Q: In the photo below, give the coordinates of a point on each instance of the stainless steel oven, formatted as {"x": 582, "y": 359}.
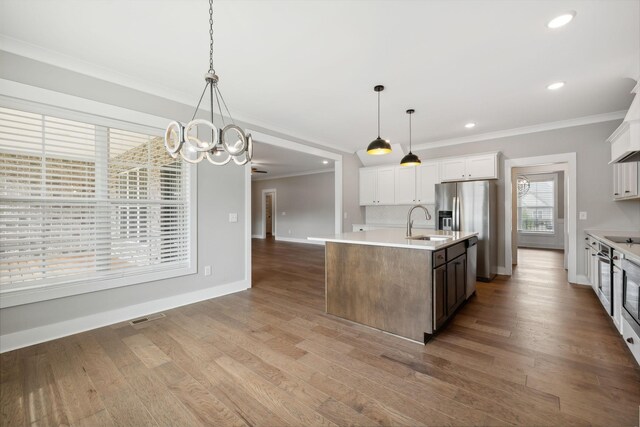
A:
{"x": 631, "y": 294}
{"x": 604, "y": 279}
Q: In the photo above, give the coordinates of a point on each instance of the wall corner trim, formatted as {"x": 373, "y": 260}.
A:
{"x": 16, "y": 340}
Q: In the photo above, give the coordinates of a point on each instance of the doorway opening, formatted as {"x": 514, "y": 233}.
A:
{"x": 540, "y": 210}
{"x": 268, "y": 209}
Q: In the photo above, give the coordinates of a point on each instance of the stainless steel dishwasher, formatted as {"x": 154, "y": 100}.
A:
{"x": 472, "y": 265}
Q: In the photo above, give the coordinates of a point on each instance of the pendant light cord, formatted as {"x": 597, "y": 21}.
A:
{"x": 211, "y": 70}
{"x": 378, "y": 114}
{"x": 409, "y": 133}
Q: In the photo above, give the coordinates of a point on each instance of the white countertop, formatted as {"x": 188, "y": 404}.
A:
{"x": 396, "y": 225}
{"x": 631, "y": 252}
{"x": 395, "y": 238}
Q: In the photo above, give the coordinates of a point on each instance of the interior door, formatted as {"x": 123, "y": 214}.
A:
{"x": 268, "y": 214}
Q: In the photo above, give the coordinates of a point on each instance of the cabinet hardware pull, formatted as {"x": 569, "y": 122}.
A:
{"x": 615, "y": 257}
{"x": 627, "y": 191}
{"x": 616, "y": 194}
{"x": 630, "y": 340}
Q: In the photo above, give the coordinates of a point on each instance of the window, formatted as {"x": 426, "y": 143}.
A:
{"x": 536, "y": 207}
{"x": 86, "y": 203}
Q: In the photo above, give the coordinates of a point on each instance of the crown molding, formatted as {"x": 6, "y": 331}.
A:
{"x": 579, "y": 121}
{"x": 67, "y": 62}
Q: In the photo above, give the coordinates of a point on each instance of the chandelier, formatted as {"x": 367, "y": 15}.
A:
{"x": 225, "y": 143}
{"x": 523, "y": 185}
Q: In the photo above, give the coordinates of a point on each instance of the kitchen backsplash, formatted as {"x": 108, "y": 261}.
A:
{"x": 394, "y": 215}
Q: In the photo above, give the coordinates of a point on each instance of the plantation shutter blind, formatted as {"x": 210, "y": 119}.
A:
{"x": 82, "y": 202}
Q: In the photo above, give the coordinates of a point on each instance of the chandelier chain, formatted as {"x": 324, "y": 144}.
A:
{"x": 211, "y": 37}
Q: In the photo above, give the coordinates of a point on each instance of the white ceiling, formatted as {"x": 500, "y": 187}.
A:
{"x": 279, "y": 162}
{"x": 308, "y": 67}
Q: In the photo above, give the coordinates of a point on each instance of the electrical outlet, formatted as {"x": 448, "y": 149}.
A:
{"x": 207, "y": 270}
{"x": 283, "y": 213}
{"x": 583, "y": 215}
{"x": 233, "y": 217}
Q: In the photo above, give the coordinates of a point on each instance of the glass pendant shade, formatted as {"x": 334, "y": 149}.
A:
{"x": 379, "y": 146}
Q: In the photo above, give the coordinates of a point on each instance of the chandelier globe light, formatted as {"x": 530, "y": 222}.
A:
{"x": 225, "y": 143}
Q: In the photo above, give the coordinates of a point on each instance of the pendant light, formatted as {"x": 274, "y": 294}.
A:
{"x": 379, "y": 146}
{"x": 410, "y": 159}
{"x": 226, "y": 142}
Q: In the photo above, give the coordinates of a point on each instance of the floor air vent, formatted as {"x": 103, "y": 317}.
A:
{"x": 145, "y": 319}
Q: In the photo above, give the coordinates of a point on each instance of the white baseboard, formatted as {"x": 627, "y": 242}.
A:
{"x": 257, "y": 236}
{"x": 298, "y": 240}
{"x": 40, "y": 334}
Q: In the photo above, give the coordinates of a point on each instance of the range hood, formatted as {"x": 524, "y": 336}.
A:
{"x": 625, "y": 140}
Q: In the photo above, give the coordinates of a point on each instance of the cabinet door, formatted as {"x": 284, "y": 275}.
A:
{"x": 368, "y": 184}
{"x": 439, "y": 295}
{"x": 481, "y": 167}
{"x": 630, "y": 176}
{"x": 386, "y": 186}
{"x": 461, "y": 278}
{"x": 405, "y": 185}
{"x": 452, "y": 170}
{"x": 452, "y": 298}
{"x": 427, "y": 178}
{"x": 618, "y": 180}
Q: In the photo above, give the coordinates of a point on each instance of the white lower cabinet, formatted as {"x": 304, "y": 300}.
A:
{"x": 631, "y": 339}
{"x": 617, "y": 290}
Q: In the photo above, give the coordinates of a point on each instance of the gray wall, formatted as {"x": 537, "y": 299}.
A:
{"x": 351, "y": 192}
{"x": 307, "y": 200}
{"x": 220, "y": 244}
{"x": 594, "y": 175}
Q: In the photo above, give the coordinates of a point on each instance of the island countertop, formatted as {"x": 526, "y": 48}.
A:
{"x": 396, "y": 238}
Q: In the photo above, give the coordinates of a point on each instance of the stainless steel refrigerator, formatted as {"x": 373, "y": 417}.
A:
{"x": 471, "y": 206}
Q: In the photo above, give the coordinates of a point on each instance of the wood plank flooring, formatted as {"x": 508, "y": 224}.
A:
{"x": 528, "y": 350}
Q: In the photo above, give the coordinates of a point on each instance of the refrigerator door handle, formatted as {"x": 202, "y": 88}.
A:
{"x": 455, "y": 214}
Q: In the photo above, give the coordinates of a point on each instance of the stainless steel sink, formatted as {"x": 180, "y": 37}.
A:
{"x": 431, "y": 238}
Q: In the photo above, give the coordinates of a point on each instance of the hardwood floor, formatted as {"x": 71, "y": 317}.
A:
{"x": 529, "y": 350}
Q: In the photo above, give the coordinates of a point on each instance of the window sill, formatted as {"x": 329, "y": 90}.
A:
{"x": 536, "y": 233}
{"x": 28, "y": 295}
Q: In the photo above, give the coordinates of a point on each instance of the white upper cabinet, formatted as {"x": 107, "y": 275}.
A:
{"x": 368, "y": 184}
{"x": 377, "y": 186}
{"x": 427, "y": 178}
{"x": 471, "y": 168}
{"x": 386, "y": 185}
{"x": 405, "y": 185}
{"x": 453, "y": 170}
{"x": 625, "y": 181}
{"x": 408, "y": 185}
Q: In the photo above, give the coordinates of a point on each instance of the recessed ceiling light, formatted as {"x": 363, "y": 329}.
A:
{"x": 562, "y": 20}
{"x": 470, "y": 125}
{"x": 555, "y": 86}
{"x": 325, "y": 162}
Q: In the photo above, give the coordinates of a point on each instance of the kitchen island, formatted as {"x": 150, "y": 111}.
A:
{"x": 405, "y": 286}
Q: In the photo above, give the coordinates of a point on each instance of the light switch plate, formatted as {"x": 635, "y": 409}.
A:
{"x": 207, "y": 270}
{"x": 283, "y": 213}
{"x": 233, "y": 217}
{"x": 583, "y": 215}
